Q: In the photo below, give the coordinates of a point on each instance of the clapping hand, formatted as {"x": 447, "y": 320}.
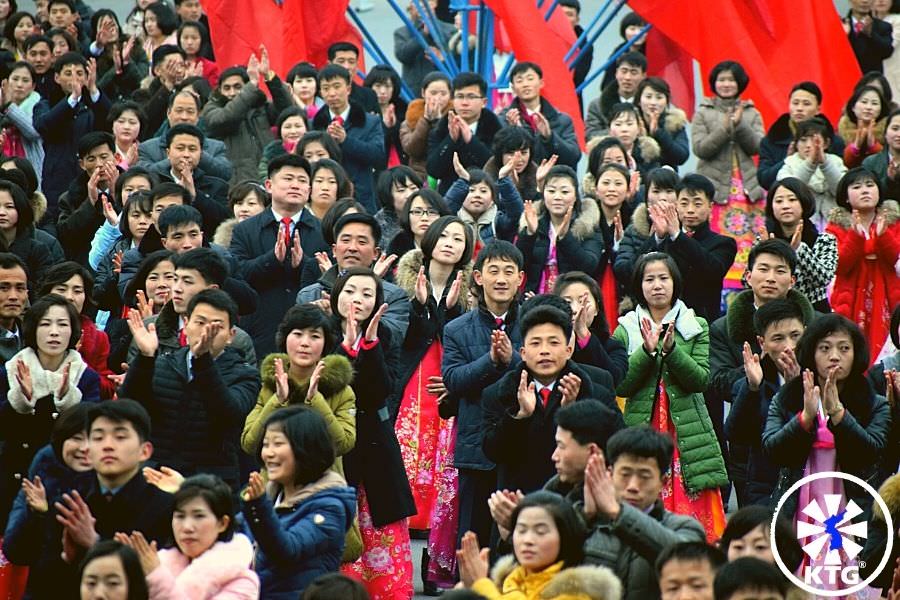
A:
{"x": 74, "y": 514}
{"x": 501, "y": 348}
{"x": 544, "y": 169}
{"x": 372, "y": 329}
{"x": 282, "y": 383}
{"x": 453, "y": 293}
{"x": 35, "y": 495}
{"x": 525, "y": 396}
{"x": 421, "y": 286}
{"x": 531, "y": 218}
{"x": 502, "y": 504}
{"x": 811, "y": 398}
{"x": 166, "y": 479}
{"x": 473, "y": 563}
{"x": 650, "y": 333}
{"x": 255, "y": 489}
{"x": 23, "y": 378}
{"x": 145, "y": 550}
{"x": 203, "y": 344}
{"x": 314, "y": 381}
{"x": 599, "y": 487}
{"x": 752, "y": 368}
{"x": 144, "y": 335}
{"x": 569, "y": 385}
{"x": 383, "y": 265}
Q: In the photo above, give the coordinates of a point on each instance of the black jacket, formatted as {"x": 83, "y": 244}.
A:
{"x": 773, "y": 149}
{"x": 78, "y": 219}
{"x": 211, "y": 199}
{"x": 872, "y": 48}
{"x": 197, "y": 421}
{"x": 472, "y": 155}
{"x": 375, "y": 462}
{"x": 522, "y": 448}
{"x": 703, "y": 260}
{"x": 137, "y": 506}
{"x": 34, "y": 253}
{"x": 253, "y": 246}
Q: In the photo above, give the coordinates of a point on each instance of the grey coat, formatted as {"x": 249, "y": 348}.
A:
{"x": 213, "y": 159}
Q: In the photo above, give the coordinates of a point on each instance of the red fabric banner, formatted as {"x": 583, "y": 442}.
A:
{"x": 667, "y": 60}
{"x": 778, "y": 43}
{"x": 543, "y": 43}
{"x": 292, "y": 31}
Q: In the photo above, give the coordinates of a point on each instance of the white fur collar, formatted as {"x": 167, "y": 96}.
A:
{"x": 685, "y": 319}
{"x": 43, "y": 382}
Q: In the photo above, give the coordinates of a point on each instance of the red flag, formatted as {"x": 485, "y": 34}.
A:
{"x": 536, "y": 41}
{"x": 778, "y": 43}
{"x": 667, "y": 60}
{"x": 292, "y": 31}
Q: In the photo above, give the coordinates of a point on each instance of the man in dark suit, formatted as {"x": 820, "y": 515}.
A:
{"x": 872, "y": 39}
{"x": 703, "y": 256}
{"x": 270, "y": 247}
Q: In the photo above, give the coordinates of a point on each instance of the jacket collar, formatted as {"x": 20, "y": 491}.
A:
{"x": 356, "y": 118}
{"x": 328, "y": 481}
{"x": 739, "y": 318}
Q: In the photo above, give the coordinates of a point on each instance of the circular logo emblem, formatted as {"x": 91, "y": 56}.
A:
{"x": 833, "y": 540}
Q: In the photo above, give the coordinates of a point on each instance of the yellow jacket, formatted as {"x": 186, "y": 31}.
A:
{"x": 512, "y": 582}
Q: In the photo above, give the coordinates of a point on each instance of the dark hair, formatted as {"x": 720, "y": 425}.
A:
{"x": 21, "y": 203}
{"x": 287, "y": 113}
{"x": 545, "y": 300}
{"x": 37, "y": 311}
{"x": 823, "y": 326}
{"x": 509, "y": 140}
{"x": 212, "y": 490}
{"x": 71, "y": 43}
{"x": 132, "y": 173}
{"x": 747, "y": 574}
{"x": 813, "y": 125}
{"x": 302, "y": 70}
{"x": 657, "y": 84}
{"x": 99, "y": 14}
{"x": 64, "y": 271}
{"x": 736, "y": 70}
{"x": 546, "y": 315}
{"x": 323, "y": 139}
{"x": 160, "y": 54}
{"x": 358, "y": 217}
{"x": 342, "y": 46}
{"x": 217, "y": 299}
{"x": 184, "y": 129}
{"x": 599, "y": 326}
{"x": 477, "y": 176}
{"x": 691, "y": 552}
{"x": 95, "y": 139}
{"x": 570, "y": 527}
{"x": 8, "y": 261}
{"x": 431, "y": 198}
{"x": 68, "y": 3}
{"x": 749, "y": 518}
{"x": 776, "y": 311}
{"x": 571, "y": 4}
{"x": 123, "y": 410}
{"x": 184, "y": 92}
{"x": 695, "y": 182}
{"x": 12, "y": 22}
{"x": 69, "y": 58}
{"x": 630, "y": 20}
{"x": 627, "y": 108}
{"x": 287, "y": 160}
{"x": 878, "y": 80}
{"x": 70, "y": 423}
{"x": 809, "y": 87}
{"x": 335, "y": 586}
{"x": 857, "y": 93}
{"x": 775, "y": 247}
{"x": 120, "y": 108}
{"x": 565, "y": 172}
{"x": 33, "y": 40}
{"x": 468, "y": 79}
{"x": 131, "y": 564}
{"x": 895, "y": 324}
{"x": 207, "y": 262}
{"x": 436, "y": 76}
{"x": 23, "y": 166}
{"x": 637, "y": 279}
{"x": 166, "y": 19}
{"x": 331, "y": 71}
{"x": 196, "y": 85}
{"x": 241, "y": 189}
{"x": 595, "y": 158}
{"x": 894, "y": 113}
{"x": 305, "y": 316}
{"x": 307, "y": 433}
{"x": 176, "y": 215}
{"x": 499, "y": 250}
{"x": 205, "y": 41}
{"x": 334, "y": 214}
{"x": 633, "y": 58}
{"x": 344, "y": 183}
{"x": 384, "y": 74}
{"x": 841, "y": 196}
{"x": 233, "y": 71}
{"x": 807, "y": 206}
{"x": 150, "y": 262}
{"x": 342, "y": 280}
{"x": 624, "y": 172}
{"x": 433, "y": 235}
{"x": 23, "y": 65}
{"x": 384, "y": 189}
{"x": 641, "y": 442}
{"x": 141, "y": 200}
{"x": 664, "y": 178}
{"x": 524, "y": 66}
{"x": 589, "y": 421}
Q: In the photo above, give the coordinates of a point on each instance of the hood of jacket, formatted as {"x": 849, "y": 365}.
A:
{"x": 337, "y": 374}
{"x": 890, "y": 493}
{"x": 587, "y": 582}
{"x": 224, "y": 231}
{"x": 508, "y": 575}
{"x": 207, "y": 574}
{"x": 584, "y": 224}
{"x": 330, "y": 482}
{"x": 38, "y": 203}
{"x": 739, "y": 317}
{"x": 685, "y": 319}
{"x": 408, "y": 272}
{"x": 843, "y": 218}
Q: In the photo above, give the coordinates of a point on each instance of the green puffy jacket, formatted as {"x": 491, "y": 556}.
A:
{"x": 685, "y": 372}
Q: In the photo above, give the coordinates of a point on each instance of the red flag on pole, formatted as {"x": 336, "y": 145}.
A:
{"x": 667, "y": 60}
{"x": 536, "y": 41}
{"x": 778, "y": 43}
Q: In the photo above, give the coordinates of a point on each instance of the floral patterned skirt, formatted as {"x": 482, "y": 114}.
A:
{"x": 445, "y": 518}
{"x": 385, "y": 567}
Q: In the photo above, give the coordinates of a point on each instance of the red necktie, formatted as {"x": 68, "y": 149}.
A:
{"x": 339, "y": 120}
{"x": 689, "y": 233}
{"x": 499, "y": 322}
{"x": 545, "y": 396}
{"x": 858, "y": 27}
{"x": 182, "y": 338}
{"x": 287, "y": 222}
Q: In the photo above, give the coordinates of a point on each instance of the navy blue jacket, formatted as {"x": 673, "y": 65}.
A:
{"x": 468, "y": 371}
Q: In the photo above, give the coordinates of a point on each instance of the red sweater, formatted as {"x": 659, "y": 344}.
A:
{"x": 95, "y": 352}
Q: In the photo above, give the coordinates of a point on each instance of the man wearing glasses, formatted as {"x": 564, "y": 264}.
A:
{"x": 468, "y": 130}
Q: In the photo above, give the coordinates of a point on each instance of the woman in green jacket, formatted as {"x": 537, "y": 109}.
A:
{"x": 668, "y": 370}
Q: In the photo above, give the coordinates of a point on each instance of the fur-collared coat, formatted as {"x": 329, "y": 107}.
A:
{"x": 854, "y": 155}
{"x": 426, "y": 321}
{"x": 672, "y": 138}
{"x": 414, "y": 136}
{"x": 645, "y": 156}
{"x": 224, "y": 232}
{"x": 865, "y": 262}
{"x": 579, "y": 250}
{"x": 510, "y": 580}
{"x": 714, "y": 144}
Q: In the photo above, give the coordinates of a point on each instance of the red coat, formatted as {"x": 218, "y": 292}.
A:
{"x": 866, "y": 286}
{"x": 95, "y": 352}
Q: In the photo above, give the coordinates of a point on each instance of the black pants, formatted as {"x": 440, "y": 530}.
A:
{"x": 475, "y": 487}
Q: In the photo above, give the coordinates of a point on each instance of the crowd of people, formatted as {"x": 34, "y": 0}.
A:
{"x": 258, "y": 334}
